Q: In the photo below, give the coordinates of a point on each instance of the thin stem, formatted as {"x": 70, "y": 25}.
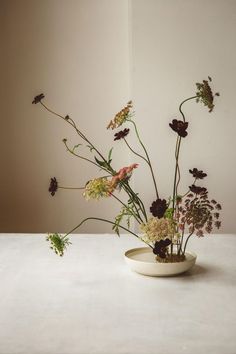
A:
{"x": 181, "y": 104}
{"x": 185, "y": 245}
{"x": 72, "y": 123}
{"x": 109, "y": 222}
{"x": 146, "y": 153}
{"x": 134, "y": 152}
{"x": 177, "y": 150}
{"x": 135, "y": 216}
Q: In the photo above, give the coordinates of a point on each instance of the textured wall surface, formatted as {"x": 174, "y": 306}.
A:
{"x": 89, "y": 58}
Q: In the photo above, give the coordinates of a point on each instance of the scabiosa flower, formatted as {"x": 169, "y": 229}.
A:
{"x": 58, "y": 242}
{"x": 121, "y": 116}
{"x": 205, "y": 95}
{"x": 98, "y": 188}
{"x": 197, "y": 189}
{"x": 121, "y": 134}
{"x": 158, "y": 208}
{"x": 179, "y": 127}
{"x": 53, "y": 187}
{"x": 157, "y": 229}
{"x": 198, "y": 174}
{"x": 160, "y": 248}
{"x": 38, "y": 98}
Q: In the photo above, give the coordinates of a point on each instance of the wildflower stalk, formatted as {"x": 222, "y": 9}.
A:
{"x": 107, "y": 221}
{"x": 109, "y": 169}
{"x": 177, "y": 151}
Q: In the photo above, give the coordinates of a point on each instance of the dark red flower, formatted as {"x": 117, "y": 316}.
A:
{"x": 197, "y": 189}
{"x": 122, "y": 134}
{"x": 160, "y": 247}
{"x": 179, "y": 127}
{"x": 38, "y": 98}
{"x": 198, "y": 174}
{"x": 158, "y": 208}
{"x": 53, "y": 186}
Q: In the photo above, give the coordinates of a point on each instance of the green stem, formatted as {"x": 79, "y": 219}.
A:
{"x": 177, "y": 150}
{"x": 134, "y": 152}
{"x": 146, "y": 153}
{"x": 109, "y": 222}
{"x": 185, "y": 245}
{"x": 137, "y": 218}
{"x": 72, "y": 123}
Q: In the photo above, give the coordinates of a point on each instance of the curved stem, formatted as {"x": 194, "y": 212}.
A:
{"x": 146, "y": 153}
{"x": 185, "y": 245}
{"x": 181, "y": 104}
{"x": 177, "y": 150}
{"x": 134, "y": 152}
{"x": 72, "y": 123}
{"x": 109, "y": 222}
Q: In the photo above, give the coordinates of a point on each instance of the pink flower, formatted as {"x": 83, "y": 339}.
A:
{"x": 123, "y": 173}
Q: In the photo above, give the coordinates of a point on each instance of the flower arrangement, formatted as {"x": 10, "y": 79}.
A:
{"x": 168, "y": 224}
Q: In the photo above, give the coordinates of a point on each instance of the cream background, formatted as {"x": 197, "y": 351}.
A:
{"x": 89, "y": 58}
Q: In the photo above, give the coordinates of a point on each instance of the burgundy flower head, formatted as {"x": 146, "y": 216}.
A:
{"x": 179, "y": 127}
{"x": 158, "y": 208}
{"x": 160, "y": 247}
{"x": 197, "y": 189}
{"x": 53, "y": 186}
{"x": 121, "y": 134}
{"x": 198, "y": 174}
{"x": 38, "y": 98}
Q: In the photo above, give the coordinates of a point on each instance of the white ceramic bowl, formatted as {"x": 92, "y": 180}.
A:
{"x": 142, "y": 260}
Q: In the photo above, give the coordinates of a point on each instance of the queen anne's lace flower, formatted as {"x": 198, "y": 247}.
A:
{"x": 98, "y": 188}
{"x": 120, "y": 117}
{"x": 157, "y": 229}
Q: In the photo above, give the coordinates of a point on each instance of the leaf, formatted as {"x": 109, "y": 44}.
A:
{"x": 102, "y": 163}
{"x": 91, "y": 148}
{"x": 76, "y": 147}
{"x": 109, "y": 155}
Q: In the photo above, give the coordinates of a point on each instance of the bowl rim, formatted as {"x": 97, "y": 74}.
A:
{"x": 148, "y": 249}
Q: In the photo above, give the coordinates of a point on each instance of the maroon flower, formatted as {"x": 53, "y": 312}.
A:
{"x": 38, "y": 98}
{"x": 198, "y": 174}
{"x": 158, "y": 208}
{"x": 197, "y": 189}
{"x": 121, "y": 134}
{"x": 179, "y": 127}
{"x": 160, "y": 247}
{"x": 53, "y": 186}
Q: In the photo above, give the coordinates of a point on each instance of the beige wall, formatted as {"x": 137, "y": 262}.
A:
{"x": 89, "y": 57}
{"x": 175, "y": 44}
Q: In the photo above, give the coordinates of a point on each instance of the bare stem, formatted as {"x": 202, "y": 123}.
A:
{"x": 147, "y": 156}
{"x": 109, "y": 222}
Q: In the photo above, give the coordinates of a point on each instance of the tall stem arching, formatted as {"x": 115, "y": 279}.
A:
{"x": 177, "y": 151}
{"x": 109, "y": 222}
{"x": 147, "y": 156}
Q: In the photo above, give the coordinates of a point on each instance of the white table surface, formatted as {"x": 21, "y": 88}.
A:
{"x": 90, "y": 302}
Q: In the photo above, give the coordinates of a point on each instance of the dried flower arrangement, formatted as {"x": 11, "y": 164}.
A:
{"x": 173, "y": 221}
